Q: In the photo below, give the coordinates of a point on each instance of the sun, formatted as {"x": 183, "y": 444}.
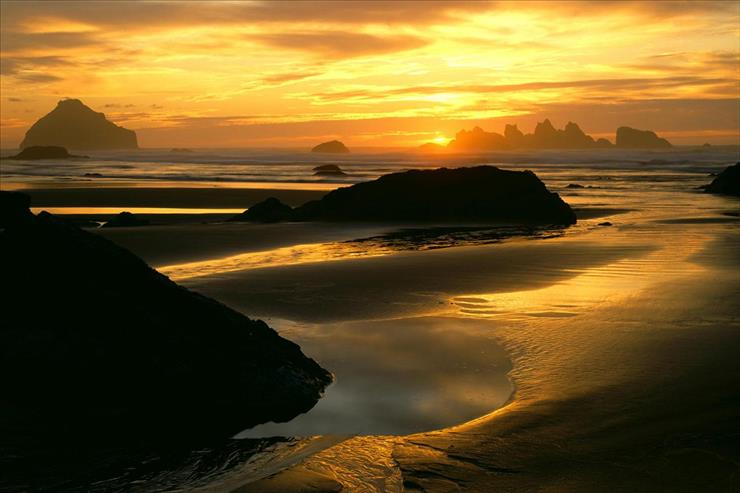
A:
{"x": 440, "y": 140}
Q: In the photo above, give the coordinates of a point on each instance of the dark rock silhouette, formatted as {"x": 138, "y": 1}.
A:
{"x": 180, "y": 149}
{"x": 605, "y": 223}
{"x": 574, "y": 185}
{"x": 125, "y": 220}
{"x": 545, "y": 136}
{"x": 482, "y": 193}
{"x": 706, "y": 144}
{"x": 478, "y": 140}
{"x": 727, "y": 182}
{"x": 329, "y": 170}
{"x": 75, "y": 126}
{"x": 45, "y": 152}
{"x": 14, "y": 209}
{"x": 332, "y": 147}
{"x": 631, "y": 138}
{"x": 268, "y": 211}
{"x": 431, "y": 147}
{"x": 94, "y": 341}
{"x": 93, "y": 175}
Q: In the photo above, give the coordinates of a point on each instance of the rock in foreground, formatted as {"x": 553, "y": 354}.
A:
{"x": 44, "y": 152}
{"x": 75, "y": 126}
{"x": 91, "y": 338}
{"x": 333, "y": 147}
{"x": 727, "y": 182}
{"x": 631, "y": 138}
{"x": 482, "y": 193}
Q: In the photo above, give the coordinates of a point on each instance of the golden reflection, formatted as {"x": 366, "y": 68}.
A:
{"x": 595, "y": 286}
{"x": 279, "y": 257}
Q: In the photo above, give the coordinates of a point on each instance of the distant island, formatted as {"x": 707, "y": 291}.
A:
{"x": 331, "y": 147}
{"x": 75, "y": 126}
{"x": 44, "y": 152}
{"x": 546, "y": 136}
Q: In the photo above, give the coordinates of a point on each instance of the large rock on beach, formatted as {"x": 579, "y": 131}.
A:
{"x": 727, "y": 182}
{"x": 478, "y": 194}
{"x": 94, "y": 340}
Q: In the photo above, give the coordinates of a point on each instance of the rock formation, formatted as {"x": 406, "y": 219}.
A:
{"x": 329, "y": 170}
{"x": 631, "y": 138}
{"x": 75, "y": 126}
{"x": 95, "y": 341}
{"x": 545, "y": 136}
{"x": 44, "y": 152}
{"x": 431, "y": 147}
{"x": 125, "y": 220}
{"x": 332, "y": 147}
{"x": 727, "y": 182}
{"x": 268, "y": 211}
{"x": 482, "y": 193}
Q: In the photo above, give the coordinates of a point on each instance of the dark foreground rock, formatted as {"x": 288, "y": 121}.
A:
{"x": 482, "y": 193}
{"x": 727, "y": 182}
{"x": 45, "y": 152}
{"x": 268, "y": 211}
{"x": 333, "y": 147}
{"x": 125, "y": 220}
{"x": 75, "y": 126}
{"x": 631, "y": 138}
{"x": 95, "y": 341}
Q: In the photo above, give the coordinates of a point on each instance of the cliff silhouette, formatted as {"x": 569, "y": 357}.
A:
{"x": 75, "y": 126}
{"x": 546, "y": 136}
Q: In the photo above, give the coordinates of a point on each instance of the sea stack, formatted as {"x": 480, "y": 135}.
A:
{"x": 331, "y": 147}
{"x": 631, "y": 138}
{"x": 75, "y": 126}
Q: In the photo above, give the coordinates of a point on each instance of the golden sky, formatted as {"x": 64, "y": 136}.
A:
{"x": 244, "y": 74}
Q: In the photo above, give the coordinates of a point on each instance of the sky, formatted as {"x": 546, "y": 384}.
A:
{"x": 274, "y": 74}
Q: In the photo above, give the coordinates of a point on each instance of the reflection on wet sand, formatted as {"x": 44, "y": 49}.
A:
{"x": 398, "y": 376}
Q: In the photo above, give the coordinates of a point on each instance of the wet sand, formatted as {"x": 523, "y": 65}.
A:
{"x": 591, "y": 359}
{"x": 619, "y": 344}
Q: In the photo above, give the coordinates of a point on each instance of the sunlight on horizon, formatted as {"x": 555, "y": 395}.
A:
{"x": 237, "y": 74}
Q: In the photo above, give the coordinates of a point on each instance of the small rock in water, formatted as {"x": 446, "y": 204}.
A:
{"x": 605, "y": 223}
{"x": 125, "y": 219}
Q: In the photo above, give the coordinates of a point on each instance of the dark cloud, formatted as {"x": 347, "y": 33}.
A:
{"x": 37, "y": 77}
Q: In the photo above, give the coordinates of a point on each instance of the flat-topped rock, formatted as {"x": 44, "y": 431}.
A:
{"x": 727, "y": 182}
{"x": 95, "y": 341}
{"x": 331, "y": 147}
{"x": 328, "y": 170}
{"x": 45, "y": 152}
{"x": 75, "y": 126}
{"x": 631, "y": 138}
